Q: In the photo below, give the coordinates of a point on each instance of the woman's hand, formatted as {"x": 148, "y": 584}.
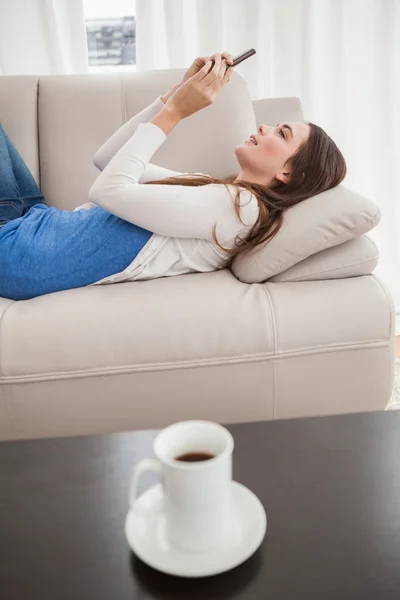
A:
{"x": 200, "y": 61}
{"x": 201, "y": 89}
{"x": 194, "y": 68}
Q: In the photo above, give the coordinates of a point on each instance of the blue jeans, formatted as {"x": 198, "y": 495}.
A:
{"x": 18, "y": 188}
{"x": 44, "y": 249}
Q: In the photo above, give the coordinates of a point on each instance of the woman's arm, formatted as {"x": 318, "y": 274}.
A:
{"x": 109, "y": 149}
{"x": 126, "y": 131}
{"x": 169, "y": 210}
{"x": 166, "y": 119}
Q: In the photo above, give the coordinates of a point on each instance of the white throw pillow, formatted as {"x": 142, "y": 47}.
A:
{"x": 322, "y": 221}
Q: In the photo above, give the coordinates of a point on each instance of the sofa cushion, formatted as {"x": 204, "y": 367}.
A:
{"x": 320, "y": 222}
{"x": 351, "y": 259}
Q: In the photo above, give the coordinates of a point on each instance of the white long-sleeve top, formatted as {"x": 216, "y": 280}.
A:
{"x": 180, "y": 217}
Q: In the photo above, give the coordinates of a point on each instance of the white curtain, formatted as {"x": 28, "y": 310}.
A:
{"x": 340, "y": 57}
{"x": 42, "y": 37}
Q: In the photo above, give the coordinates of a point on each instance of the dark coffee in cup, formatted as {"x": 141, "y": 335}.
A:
{"x": 195, "y": 456}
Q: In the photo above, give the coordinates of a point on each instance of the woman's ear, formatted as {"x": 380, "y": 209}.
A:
{"x": 283, "y": 177}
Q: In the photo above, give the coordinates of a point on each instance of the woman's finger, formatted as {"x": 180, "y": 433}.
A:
{"x": 214, "y": 71}
{"x": 225, "y": 54}
{"x": 203, "y": 71}
{"x": 217, "y": 65}
{"x": 223, "y": 69}
{"x": 229, "y": 57}
{"x": 217, "y": 57}
{"x": 222, "y": 79}
{"x": 214, "y": 56}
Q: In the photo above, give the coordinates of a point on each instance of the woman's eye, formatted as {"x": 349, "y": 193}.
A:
{"x": 282, "y": 134}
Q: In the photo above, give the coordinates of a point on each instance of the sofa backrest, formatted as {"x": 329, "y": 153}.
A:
{"x": 58, "y": 122}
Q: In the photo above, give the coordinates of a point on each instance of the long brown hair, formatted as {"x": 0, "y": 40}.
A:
{"x": 318, "y": 165}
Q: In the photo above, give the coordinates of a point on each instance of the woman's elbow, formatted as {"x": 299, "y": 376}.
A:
{"x": 96, "y": 196}
{"x": 98, "y": 163}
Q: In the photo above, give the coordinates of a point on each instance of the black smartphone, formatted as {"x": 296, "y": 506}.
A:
{"x": 241, "y": 57}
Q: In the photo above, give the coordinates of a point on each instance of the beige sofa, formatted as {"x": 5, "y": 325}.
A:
{"x": 302, "y": 328}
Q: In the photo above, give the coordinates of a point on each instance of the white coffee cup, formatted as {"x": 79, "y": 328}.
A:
{"x": 197, "y": 495}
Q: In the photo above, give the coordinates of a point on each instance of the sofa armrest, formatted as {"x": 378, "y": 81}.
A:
{"x": 276, "y": 110}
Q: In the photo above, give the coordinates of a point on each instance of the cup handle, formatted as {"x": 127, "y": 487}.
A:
{"x": 148, "y": 464}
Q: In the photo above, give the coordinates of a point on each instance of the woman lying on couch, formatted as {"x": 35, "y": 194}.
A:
{"x": 168, "y": 225}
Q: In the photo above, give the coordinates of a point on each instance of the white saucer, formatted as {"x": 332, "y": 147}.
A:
{"x": 146, "y": 537}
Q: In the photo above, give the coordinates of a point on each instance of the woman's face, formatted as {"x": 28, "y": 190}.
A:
{"x": 264, "y": 162}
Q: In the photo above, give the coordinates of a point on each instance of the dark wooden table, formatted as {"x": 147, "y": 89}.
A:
{"x": 330, "y": 486}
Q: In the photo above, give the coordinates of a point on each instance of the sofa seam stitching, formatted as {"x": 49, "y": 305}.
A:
{"x": 275, "y": 336}
{"x": 12, "y": 302}
{"x": 280, "y": 356}
{"x": 388, "y": 301}
{"x": 6, "y": 398}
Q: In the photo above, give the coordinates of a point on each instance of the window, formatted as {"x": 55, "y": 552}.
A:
{"x": 111, "y": 35}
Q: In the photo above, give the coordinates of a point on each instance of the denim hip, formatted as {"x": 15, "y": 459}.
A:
{"x": 48, "y": 250}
